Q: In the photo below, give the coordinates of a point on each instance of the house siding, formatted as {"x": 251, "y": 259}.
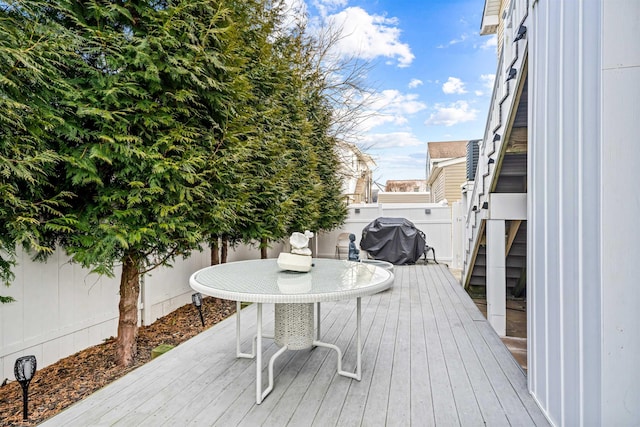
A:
{"x": 438, "y": 188}
{"x": 404, "y": 197}
{"x": 447, "y": 183}
{"x": 500, "y": 32}
{"x": 584, "y": 69}
{"x": 455, "y": 176}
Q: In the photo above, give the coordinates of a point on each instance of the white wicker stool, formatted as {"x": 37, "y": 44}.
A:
{"x": 294, "y": 325}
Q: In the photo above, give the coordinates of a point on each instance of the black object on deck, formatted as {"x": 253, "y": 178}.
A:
{"x": 395, "y": 240}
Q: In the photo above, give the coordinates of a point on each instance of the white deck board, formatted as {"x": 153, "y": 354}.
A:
{"x": 429, "y": 358}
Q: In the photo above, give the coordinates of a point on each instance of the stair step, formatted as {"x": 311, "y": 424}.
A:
{"x": 511, "y": 272}
{"x": 477, "y": 281}
{"x": 514, "y": 272}
{"x": 518, "y": 250}
{"x": 516, "y": 261}
{"x": 479, "y": 271}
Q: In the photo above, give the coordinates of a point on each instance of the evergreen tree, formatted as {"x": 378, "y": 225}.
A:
{"x": 31, "y": 51}
{"x": 146, "y": 99}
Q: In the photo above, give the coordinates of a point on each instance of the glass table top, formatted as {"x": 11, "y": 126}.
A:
{"x": 264, "y": 281}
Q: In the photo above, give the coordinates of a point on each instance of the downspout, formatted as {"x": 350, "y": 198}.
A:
{"x": 142, "y": 304}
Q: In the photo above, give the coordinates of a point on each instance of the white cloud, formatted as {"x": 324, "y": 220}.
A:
{"x": 490, "y": 43}
{"x": 460, "y": 39}
{"x": 391, "y": 106}
{"x": 402, "y": 166}
{"x": 478, "y": 92}
{"x": 449, "y": 115}
{"x": 390, "y": 140}
{"x": 326, "y": 6}
{"x": 294, "y": 14}
{"x": 453, "y": 85}
{"x": 369, "y": 36}
{"x": 393, "y": 101}
{"x": 488, "y": 80}
{"x": 415, "y": 83}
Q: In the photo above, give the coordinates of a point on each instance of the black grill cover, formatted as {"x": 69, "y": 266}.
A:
{"x": 395, "y": 240}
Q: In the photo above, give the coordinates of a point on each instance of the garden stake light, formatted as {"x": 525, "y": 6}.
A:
{"x": 24, "y": 370}
{"x": 197, "y": 301}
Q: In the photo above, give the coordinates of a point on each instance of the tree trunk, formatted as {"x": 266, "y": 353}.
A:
{"x": 128, "y": 307}
{"x": 264, "y": 245}
{"x": 215, "y": 251}
{"x": 224, "y": 249}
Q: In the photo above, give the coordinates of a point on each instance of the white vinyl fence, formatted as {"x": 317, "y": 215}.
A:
{"x": 432, "y": 218}
{"x": 61, "y": 309}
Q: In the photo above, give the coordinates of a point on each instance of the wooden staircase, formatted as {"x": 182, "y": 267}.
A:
{"x": 516, "y": 264}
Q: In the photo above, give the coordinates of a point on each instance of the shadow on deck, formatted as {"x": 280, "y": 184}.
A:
{"x": 429, "y": 358}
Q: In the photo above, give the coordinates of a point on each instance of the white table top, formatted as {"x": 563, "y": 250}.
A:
{"x": 263, "y": 281}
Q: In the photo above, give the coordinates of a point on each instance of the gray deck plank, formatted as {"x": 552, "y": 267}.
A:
{"x": 318, "y": 387}
{"x": 335, "y": 402}
{"x": 443, "y": 400}
{"x": 512, "y": 370}
{"x": 429, "y": 358}
{"x": 375, "y": 411}
{"x": 421, "y": 393}
{"x": 286, "y": 405}
{"x": 232, "y": 416}
{"x": 465, "y": 398}
{"x": 347, "y": 308}
{"x": 331, "y": 407}
{"x": 134, "y": 386}
{"x": 488, "y": 403}
{"x": 399, "y": 406}
{"x": 226, "y": 372}
{"x": 354, "y": 404}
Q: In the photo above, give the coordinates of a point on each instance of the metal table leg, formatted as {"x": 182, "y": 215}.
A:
{"x": 253, "y": 343}
{"x": 256, "y": 350}
{"x": 317, "y": 321}
{"x": 357, "y": 375}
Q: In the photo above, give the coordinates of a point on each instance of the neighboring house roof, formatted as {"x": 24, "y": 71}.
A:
{"x": 444, "y": 150}
{"x": 407, "y": 185}
{"x": 447, "y": 149}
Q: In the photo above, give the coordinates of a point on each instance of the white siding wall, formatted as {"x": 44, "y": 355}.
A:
{"x": 584, "y": 327}
{"x": 620, "y": 208}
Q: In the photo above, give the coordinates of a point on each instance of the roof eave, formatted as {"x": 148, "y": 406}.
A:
{"x": 490, "y": 17}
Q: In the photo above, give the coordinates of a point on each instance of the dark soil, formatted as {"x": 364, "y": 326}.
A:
{"x": 73, "y": 378}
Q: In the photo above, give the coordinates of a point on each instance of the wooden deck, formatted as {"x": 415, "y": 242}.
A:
{"x": 429, "y": 358}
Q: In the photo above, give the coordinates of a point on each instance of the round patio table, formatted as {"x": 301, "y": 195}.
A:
{"x": 294, "y": 295}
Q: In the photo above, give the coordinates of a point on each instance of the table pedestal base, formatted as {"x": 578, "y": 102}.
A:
{"x": 294, "y": 325}
{"x": 294, "y": 331}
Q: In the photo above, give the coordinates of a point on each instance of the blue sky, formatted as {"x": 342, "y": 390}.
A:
{"x": 432, "y": 73}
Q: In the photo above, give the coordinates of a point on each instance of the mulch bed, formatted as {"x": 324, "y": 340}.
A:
{"x": 73, "y": 378}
